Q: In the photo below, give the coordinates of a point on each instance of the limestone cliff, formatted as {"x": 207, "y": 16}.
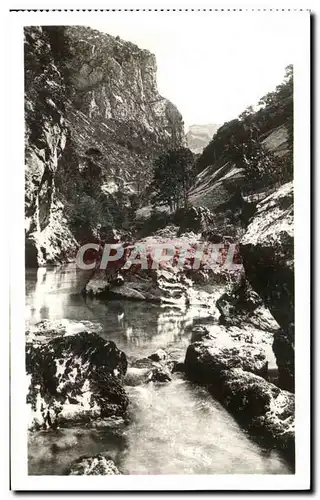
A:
{"x": 94, "y": 122}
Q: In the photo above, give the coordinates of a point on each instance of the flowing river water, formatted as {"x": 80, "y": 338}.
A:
{"x": 175, "y": 428}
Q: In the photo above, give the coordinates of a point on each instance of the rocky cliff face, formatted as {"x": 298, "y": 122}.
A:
{"x": 267, "y": 250}
{"x": 45, "y": 133}
{"x": 94, "y": 123}
{"x": 199, "y": 136}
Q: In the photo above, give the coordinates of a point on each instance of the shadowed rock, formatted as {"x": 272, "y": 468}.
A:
{"x": 267, "y": 410}
{"x": 74, "y": 378}
{"x": 159, "y": 355}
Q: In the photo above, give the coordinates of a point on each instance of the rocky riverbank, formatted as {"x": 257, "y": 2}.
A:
{"x": 76, "y": 383}
{"x": 267, "y": 250}
{"x": 76, "y": 377}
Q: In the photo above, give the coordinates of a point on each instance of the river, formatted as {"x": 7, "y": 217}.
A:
{"x": 177, "y": 428}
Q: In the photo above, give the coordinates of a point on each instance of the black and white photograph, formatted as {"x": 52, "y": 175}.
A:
{"x": 163, "y": 273}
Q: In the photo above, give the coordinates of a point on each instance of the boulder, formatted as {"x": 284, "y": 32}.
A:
{"x": 267, "y": 250}
{"x": 146, "y": 370}
{"x": 97, "y": 465}
{"x": 167, "y": 284}
{"x": 74, "y": 378}
{"x": 205, "y": 359}
{"x": 46, "y": 329}
{"x": 233, "y": 363}
{"x": 233, "y": 376}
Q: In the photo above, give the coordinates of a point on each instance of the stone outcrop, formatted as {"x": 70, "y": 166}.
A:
{"x": 264, "y": 408}
{"x": 215, "y": 348}
{"x": 242, "y": 305}
{"x": 267, "y": 250}
{"x": 193, "y": 262}
{"x": 72, "y": 377}
{"x": 198, "y": 136}
{"x": 94, "y": 119}
{"x": 48, "y": 237}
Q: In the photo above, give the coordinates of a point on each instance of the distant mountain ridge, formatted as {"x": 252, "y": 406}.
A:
{"x": 199, "y": 136}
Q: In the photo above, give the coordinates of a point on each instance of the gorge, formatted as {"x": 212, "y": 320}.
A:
{"x": 124, "y": 374}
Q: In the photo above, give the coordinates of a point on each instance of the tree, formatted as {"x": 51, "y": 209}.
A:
{"x": 173, "y": 174}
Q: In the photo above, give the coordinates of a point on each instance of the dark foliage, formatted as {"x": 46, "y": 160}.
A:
{"x": 173, "y": 174}
{"x": 239, "y": 140}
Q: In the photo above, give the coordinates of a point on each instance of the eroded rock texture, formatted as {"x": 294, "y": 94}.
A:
{"x": 267, "y": 250}
{"x": 98, "y": 465}
{"x": 223, "y": 188}
{"x": 48, "y": 237}
{"x": 73, "y": 377}
{"x": 235, "y": 369}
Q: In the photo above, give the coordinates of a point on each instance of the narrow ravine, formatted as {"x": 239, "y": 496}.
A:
{"x": 174, "y": 428}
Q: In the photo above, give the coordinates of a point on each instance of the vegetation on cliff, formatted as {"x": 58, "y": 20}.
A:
{"x": 95, "y": 121}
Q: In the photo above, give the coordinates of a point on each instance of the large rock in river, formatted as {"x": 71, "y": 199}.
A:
{"x": 267, "y": 250}
{"x": 95, "y": 120}
{"x": 233, "y": 377}
{"x": 73, "y": 377}
{"x": 241, "y": 304}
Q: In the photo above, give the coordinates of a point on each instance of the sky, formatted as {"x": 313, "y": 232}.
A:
{"x": 212, "y": 65}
